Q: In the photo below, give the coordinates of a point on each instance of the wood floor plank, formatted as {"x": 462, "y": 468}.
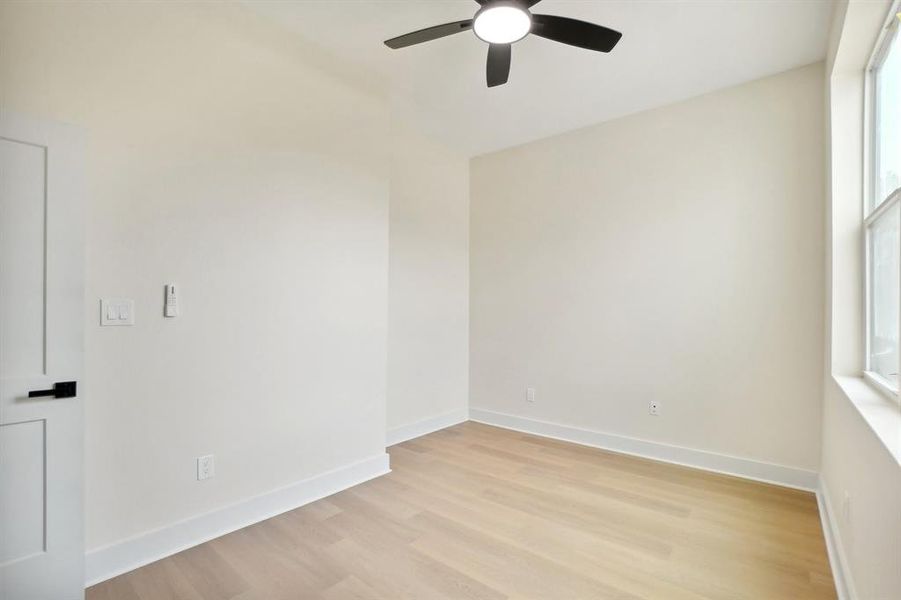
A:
{"x": 349, "y": 588}
{"x": 208, "y": 574}
{"x": 481, "y": 513}
{"x": 163, "y": 581}
{"x": 410, "y": 574}
{"x": 281, "y": 561}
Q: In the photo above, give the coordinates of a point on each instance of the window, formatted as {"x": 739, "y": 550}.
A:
{"x": 883, "y": 215}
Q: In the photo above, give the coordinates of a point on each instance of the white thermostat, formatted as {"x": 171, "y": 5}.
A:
{"x": 171, "y": 308}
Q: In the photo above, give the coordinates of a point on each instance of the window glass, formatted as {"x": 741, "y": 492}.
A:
{"x": 888, "y": 122}
{"x": 885, "y": 294}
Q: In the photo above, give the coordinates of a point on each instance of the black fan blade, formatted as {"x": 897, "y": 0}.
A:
{"x": 498, "y": 68}
{"x": 428, "y": 34}
{"x": 575, "y": 33}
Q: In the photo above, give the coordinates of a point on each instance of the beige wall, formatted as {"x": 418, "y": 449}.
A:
{"x": 428, "y": 297}
{"x": 860, "y": 470}
{"x": 856, "y": 465}
{"x": 674, "y": 255}
{"x": 220, "y": 159}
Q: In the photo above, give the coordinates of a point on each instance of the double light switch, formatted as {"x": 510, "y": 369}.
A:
{"x": 117, "y": 312}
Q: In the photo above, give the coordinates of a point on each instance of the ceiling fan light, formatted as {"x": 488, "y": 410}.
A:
{"x": 502, "y": 24}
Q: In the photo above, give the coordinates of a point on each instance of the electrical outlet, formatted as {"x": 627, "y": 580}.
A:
{"x": 206, "y": 467}
{"x": 530, "y": 394}
{"x": 654, "y": 408}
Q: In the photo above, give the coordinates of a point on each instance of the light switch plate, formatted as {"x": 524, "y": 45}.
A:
{"x": 117, "y": 312}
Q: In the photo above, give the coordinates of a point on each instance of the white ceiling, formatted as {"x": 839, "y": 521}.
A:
{"x": 670, "y": 50}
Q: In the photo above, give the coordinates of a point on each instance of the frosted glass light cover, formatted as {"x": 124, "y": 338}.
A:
{"x": 502, "y": 24}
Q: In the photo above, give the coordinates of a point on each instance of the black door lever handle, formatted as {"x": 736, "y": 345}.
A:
{"x": 61, "y": 389}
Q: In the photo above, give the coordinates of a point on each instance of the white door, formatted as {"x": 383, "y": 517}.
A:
{"x": 41, "y": 335}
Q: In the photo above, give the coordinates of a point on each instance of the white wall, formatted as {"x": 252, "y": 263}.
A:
{"x": 857, "y": 463}
{"x": 673, "y": 255}
{"x": 428, "y": 297}
{"x": 221, "y": 159}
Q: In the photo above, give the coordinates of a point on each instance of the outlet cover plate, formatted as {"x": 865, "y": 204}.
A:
{"x": 206, "y": 467}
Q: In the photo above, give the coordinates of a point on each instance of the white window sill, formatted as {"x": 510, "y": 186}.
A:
{"x": 881, "y": 385}
{"x": 882, "y": 414}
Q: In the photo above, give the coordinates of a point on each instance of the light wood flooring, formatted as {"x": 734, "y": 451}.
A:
{"x": 477, "y": 512}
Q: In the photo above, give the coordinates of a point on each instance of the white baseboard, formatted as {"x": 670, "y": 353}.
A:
{"x": 700, "y": 459}
{"x": 126, "y": 555}
{"x": 414, "y": 430}
{"x": 838, "y": 561}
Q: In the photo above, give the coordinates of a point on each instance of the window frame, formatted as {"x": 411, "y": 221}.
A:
{"x": 874, "y": 209}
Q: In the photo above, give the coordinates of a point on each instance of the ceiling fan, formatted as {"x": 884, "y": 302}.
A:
{"x": 502, "y": 22}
